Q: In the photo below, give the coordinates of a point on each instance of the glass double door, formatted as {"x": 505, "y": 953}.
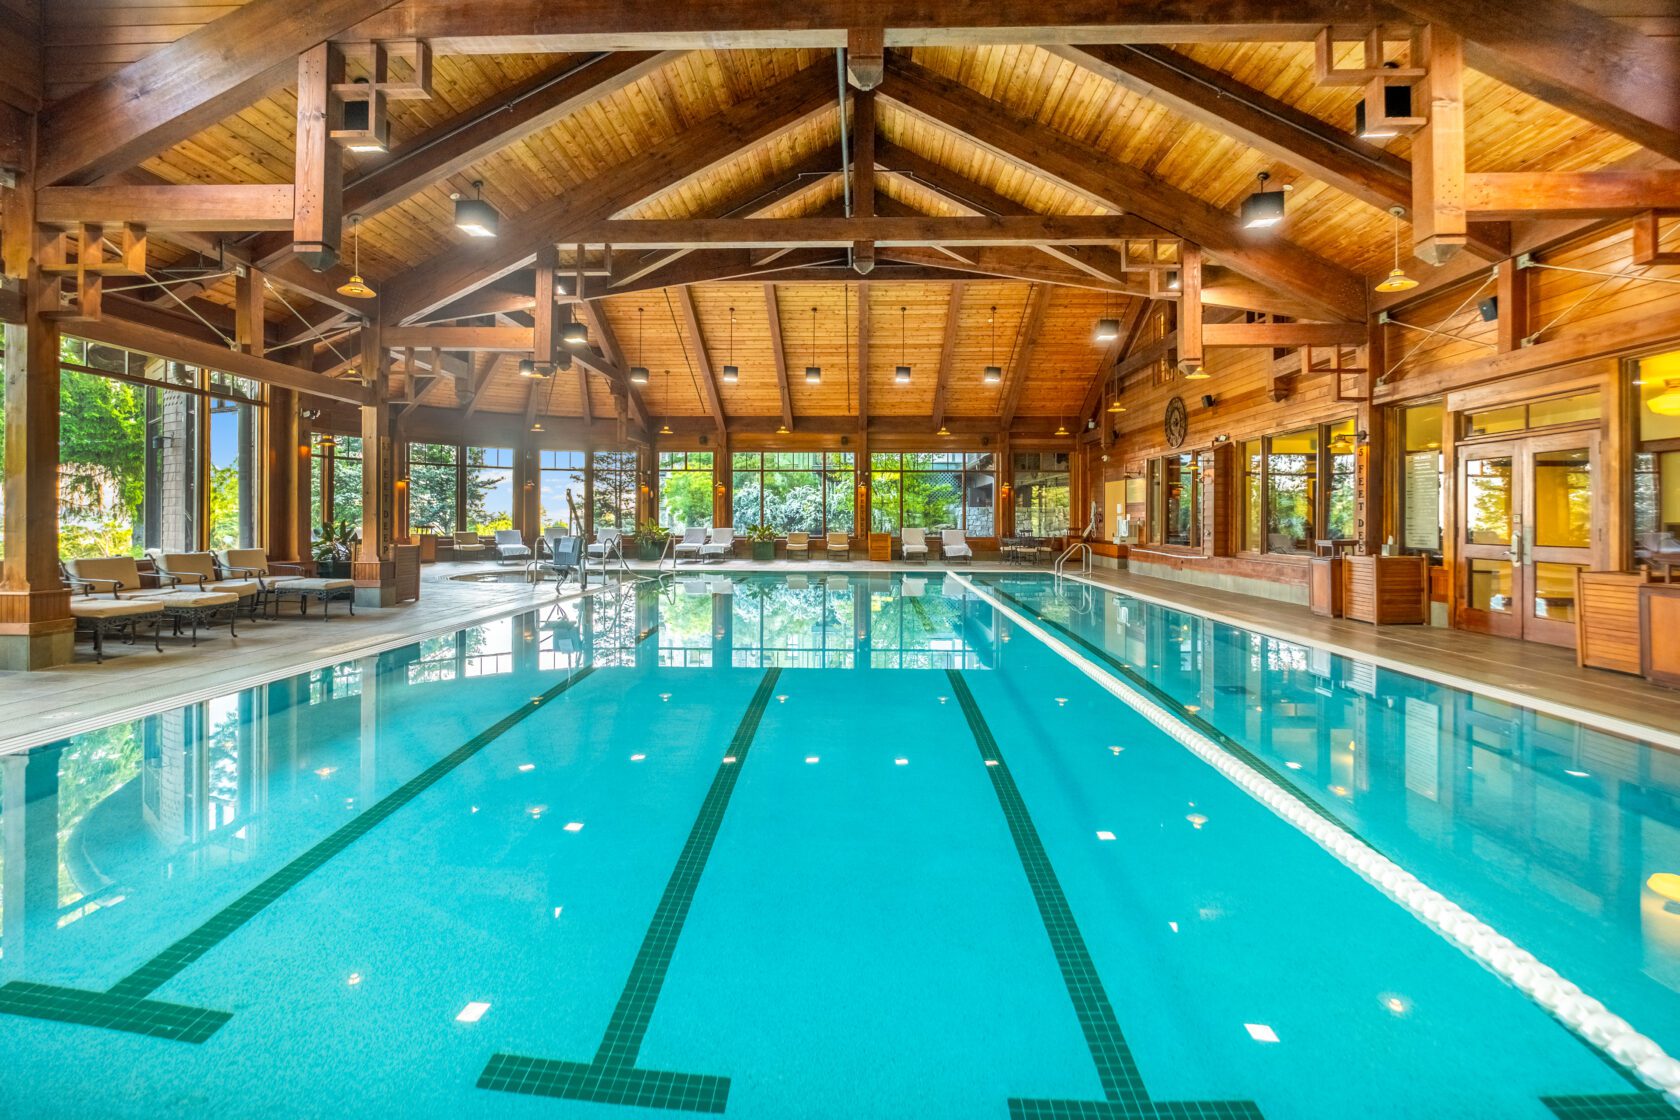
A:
{"x": 1527, "y": 523}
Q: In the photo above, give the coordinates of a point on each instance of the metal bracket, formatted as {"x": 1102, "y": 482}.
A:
{"x": 1525, "y": 260}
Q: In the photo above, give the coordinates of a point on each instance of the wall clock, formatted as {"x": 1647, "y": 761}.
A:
{"x": 1176, "y": 425}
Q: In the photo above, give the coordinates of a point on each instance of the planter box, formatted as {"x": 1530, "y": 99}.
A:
{"x": 648, "y": 549}
{"x": 332, "y": 569}
{"x": 763, "y": 550}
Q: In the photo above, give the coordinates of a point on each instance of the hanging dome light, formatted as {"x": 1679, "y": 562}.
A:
{"x": 1397, "y": 281}
{"x": 1196, "y": 373}
{"x": 639, "y": 372}
{"x": 992, "y": 374}
{"x": 901, "y": 375}
{"x": 1115, "y": 405}
{"x": 536, "y": 426}
{"x": 665, "y": 429}
{"x": 943, "y": 431}
{"x": 731, "y": 371}
{"x": 1061, "y": 429}
{"x": 813, "y": 372}
{"x": 356, "y": 287}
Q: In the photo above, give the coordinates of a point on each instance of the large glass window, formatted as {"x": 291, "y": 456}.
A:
{"x": 933, "y": 490}
{"x": 1422, "y": 502}
{"x": 434, "y": 474}
{"x": 336, "y": 489}
{"x": 1292, "y": 491}
{"x": 794, "y": 491}
{"x": 1656, "y": 463}
{"x": 1340, "y": 513}
{"x": 103, "y": 476}
{"x": 235, "y": 432}
{"x": 1041, "y": 493}
{"x": 1253, "y": 453}
{"x": 488, "y": 482}
{"x": 685, "y": 489}
{"x": 613, "y": 489}
{"x": 1181, "y": 499}
{"x": 563, "y": 498}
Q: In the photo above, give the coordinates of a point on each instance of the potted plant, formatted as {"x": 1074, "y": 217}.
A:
{"x": 763, "y": 540}
{"x": 333, "y": 549}
{"x": 650, "y": 539}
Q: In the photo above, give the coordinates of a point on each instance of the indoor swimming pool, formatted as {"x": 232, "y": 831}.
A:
{"x": 842, "y": 846}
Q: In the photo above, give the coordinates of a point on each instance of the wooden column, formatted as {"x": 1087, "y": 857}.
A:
{"x": 36, "y": 629}
{"x": 1005, "y": 487}
{"x": 374, "y": 573}
{"x": 1371, "y": 520}
{"x": 1439, "y": 222}
{"x": 318, "y": 178}
{"x": 1512, "y": 293}
{"x": 723, "y": 476}
{"x": 1190, "y": 357}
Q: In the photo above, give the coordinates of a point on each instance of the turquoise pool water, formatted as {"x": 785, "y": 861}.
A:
{"x": 820, "y": 847}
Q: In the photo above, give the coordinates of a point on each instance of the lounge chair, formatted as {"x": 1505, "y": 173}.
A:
{"x": 914, "y": 544}
{"x": 693, "y": 540}
{"x": 120, "y": 575}
{"x": 510, "y": 545}
{"x": 954, "y": 545}
{"x": 564, "y": 558}
{"x": 799, "y": 544}
{"x": 99, "y": 617}
{"x": 914, "y": 587}
{"x": 721, "y": 546}
{"x": 279, "y": 579}
{"x": 609, "y": 545}
{"x": 837, "y": 542}
{"x": 197, "y": 571}
{"x": 466, "y": 545}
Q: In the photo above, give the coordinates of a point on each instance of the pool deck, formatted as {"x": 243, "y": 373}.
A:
{"x": 42, "y": 706}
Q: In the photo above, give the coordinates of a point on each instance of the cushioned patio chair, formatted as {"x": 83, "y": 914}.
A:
{"x": 197, "y": 571}
{"x": 466, "y": 545}
{"x": 914, "y": 544}
{"x": 799, "y": 544}
{"x": 510, "y": 545}
{"x": 693, "y": 540}
{"x": 279, "y": 580}
{"x": 721, "y": 546}
{"x": 609, "y": 545}
{"x": 954, "y": 545}
{"x": 120, "y": 575}
{"x": 98, "y": 617}
{"x": 837, "y": 542}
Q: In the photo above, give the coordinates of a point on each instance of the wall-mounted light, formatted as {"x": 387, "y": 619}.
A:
{"x": 474, "y": 216}
{"x": 1222, "y": 438}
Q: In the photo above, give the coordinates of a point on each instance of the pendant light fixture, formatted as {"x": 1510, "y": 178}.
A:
{"x": 575, "y": 335}
{"x": 1263, "y": 208}
{"x": 528, "y": 368}
{"x": 901, "y": 375}
{"x": 992, "y": 374}
{"x": 474, "y": 216}
{"x": 1397, "y": 105}
{"x": 731, "y": 372}
{"x": 813, "y": 372}
{"x": 638, "y": 372}
{"x": 943, "y": 431}
{"x": 1108, "y": 327}
{"x": 1061, "y": 428}
{"x": 356, "y": 287}
{"x": 1397, "y": 281}
{"x": 665, "y": 426}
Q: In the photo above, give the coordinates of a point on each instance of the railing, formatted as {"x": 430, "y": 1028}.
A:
{"x": 670, "y": 550}
{"x": 1077, "y": 548}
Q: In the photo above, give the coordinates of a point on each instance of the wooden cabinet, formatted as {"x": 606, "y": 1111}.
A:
{"x": 1659, "y": 633}
{"x": 1385, "y": 590}
{"x": 880, "y": 546}
{"x": 1607, "y": 620}
{"x": 1324, "y": 585}
{"x": 405, "y": 559}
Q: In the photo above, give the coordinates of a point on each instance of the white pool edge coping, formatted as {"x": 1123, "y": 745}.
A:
{"x": 1559, "y": 997}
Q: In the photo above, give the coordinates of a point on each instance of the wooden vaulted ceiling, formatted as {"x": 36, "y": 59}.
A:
{"x": 946, "y": 331}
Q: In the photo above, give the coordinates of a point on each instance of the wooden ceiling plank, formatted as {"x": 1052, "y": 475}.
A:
{"x": 947, "y": 353}
{"x": 1037, "y": 306}
{"x": 777, "y": 347}
{"x": 1337, "y": 293}
{"x": 179, "y": 90}
{"x": 708, "y": 143}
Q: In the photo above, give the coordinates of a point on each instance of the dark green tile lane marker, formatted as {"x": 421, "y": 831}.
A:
{"x": 613, "y": 1077}
{"x": 1124, "y": 1093}
{"x": 1645, "y": 1105}
{"x": 126, "y": 1008}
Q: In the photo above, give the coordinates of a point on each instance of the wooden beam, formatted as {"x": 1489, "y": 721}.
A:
{"x": 947, "y": 353}
{"x": 1223, "y": 335}
{"x": 779, "y": 351}
{"x": 162, "y": 344}
{"x": 536, "y": 26}
{"x": 1337, "y": 293}
{"x": 863, "y": 357}
{"x": 1038, "y": 304}
{"x": 544, "y": 340}
{"x": 1191, "y": 356}
{"x": 318, "y": 177}
{"x": 866, "y": 56}
{"x": 566, "y": 319}
{"x": 1439, "y": 222}
{"x": 483, "y": 366}
{"x": 181, "y": 89}
{"x": 162, "y": 209}
{"x": 1162, "y": 349}
{"x": 817, "y": 232}
{"x": 708, "y": 143}
{"x": 1570, "y": 194}
{"x": 512, "y": 340}
{"x": 703, "y": 360}
{"x": 1512, "y": 292}
{"x": 1214, "y": 99}
{"x": 611, "y": 363}
{"x": 1570, "y": 56}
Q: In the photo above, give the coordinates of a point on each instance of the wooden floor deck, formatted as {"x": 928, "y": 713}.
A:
{"x": 43, "y": 706}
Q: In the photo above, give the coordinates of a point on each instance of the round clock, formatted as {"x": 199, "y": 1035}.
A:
{"x": 1176, "y": 425}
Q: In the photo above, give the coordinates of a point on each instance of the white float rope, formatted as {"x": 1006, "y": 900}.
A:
{"x": 1562, "y": 998}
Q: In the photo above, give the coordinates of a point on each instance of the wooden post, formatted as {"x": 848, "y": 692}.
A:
{"x": 374, "y": 573}
{"x": 722, "y": 481}
{"x": 318, "y": 178}
{"x": 1439, "y": 223}
{"x": 1190, "y": 357}
{"x": 36, "y": 630}
{"x": 1370, "y": 520}
{"x": 1512, "y": 289}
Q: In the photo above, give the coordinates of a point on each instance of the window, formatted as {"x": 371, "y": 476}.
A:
{"x": 1292, "y": 491}
{"x": 794, "y": 491}
{"x": 933, "y": 490}
{"x": 108, "y": 469}
{"x": 488, "y": 481}
{"x": 234, "y": 431}
{"x": 1253, "y": 453}
{"x": 1537, "y": 414}
{"x": 562, "y": 490}
{"x": 1422, "y": 512}
{"x": 685, "y": 489}
{"x": 1656, "y": 462}
{"x": 1042, "y": 493}
{"x": 434, "y": 475}
{"x": 1181, "y": 500}
{"x": 613, "y": 489}
{"x": 336, "y": 489}
{"x": 1341, "y": 514}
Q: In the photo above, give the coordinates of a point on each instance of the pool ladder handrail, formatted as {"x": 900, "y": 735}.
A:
{"x": 670, "y": 550}
{"x": 1080, "y": 548}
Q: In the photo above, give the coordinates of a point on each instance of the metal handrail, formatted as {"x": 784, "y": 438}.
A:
{"x": 1080, "y": 547}
{"x": 670, "y": 550}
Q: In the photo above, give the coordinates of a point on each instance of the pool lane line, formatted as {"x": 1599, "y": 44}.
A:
{"x": 1124, "y": 1093}
{"x": 1638, "y": 1058}
{"x": 126, "y": 1006}
{"x": 612, "y": 1076}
